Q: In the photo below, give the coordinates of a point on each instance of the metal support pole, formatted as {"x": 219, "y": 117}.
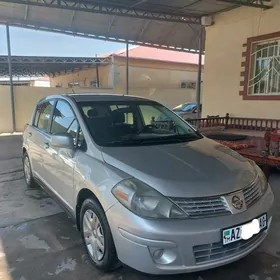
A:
{"x": 127, "y": 69}
{"x": 97, "y": 75}
{"x": 198, "y": 82}
{"x": 11, "y": 78}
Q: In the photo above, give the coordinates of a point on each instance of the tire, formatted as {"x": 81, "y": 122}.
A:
{"x": 94, "y": 230}
{"x": 28, "y": 176}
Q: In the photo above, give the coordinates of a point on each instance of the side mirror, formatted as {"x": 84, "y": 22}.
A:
{"x": 62, "y": 141}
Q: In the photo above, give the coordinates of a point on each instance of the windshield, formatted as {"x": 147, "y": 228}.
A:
{"x": 134, "y": 123}
{"x": 186, "y": 107}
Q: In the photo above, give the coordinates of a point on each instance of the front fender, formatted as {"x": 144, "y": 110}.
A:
{"x": 98, "y": 177}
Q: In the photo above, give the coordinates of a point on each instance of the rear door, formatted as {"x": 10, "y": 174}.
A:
{"x": 37, "y": 134}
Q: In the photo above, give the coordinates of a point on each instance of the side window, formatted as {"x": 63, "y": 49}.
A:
{"x": 64, "y": 120}
{"x": 43, "y": 115}
{"x": 73, "y": 129}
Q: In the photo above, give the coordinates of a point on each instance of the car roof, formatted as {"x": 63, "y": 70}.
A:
{"x": 84, "y": 97}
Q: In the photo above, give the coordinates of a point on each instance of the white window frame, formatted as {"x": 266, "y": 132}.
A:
{"x": 271, "y": 74}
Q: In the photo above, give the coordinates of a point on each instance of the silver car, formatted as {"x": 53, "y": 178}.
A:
{"x": 155, "y": 195}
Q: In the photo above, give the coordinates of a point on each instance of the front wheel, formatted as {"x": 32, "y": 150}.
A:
{"x": 97, "y": 237}
{"x": 28, "y": 176}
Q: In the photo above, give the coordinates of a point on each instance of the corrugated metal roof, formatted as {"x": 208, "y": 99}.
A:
{"x": 169, "y": 29}
{"x": 158, "y": 23}
{"x": 45, "y": 65}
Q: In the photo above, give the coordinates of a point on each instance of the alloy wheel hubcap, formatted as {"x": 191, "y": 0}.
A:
{"x": 93, "y": 235}
{"x": 27, "y": 171}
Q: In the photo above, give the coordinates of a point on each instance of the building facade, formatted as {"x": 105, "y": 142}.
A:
{"x": 242, "y": 63}
{"x": 165, "y": 76}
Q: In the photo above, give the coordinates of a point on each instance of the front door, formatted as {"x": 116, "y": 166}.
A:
{"x": 61, "y": 162}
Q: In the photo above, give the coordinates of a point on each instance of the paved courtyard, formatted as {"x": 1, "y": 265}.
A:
{"x": 39, "y": 241}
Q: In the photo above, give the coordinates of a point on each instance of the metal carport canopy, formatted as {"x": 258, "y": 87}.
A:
{"x": 171, "y": 24}
{"x": 51, "y": 66}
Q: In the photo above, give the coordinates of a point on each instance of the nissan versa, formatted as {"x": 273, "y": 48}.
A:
{"x": 155, "y": 195}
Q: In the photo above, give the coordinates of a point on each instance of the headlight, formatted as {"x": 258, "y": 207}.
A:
{"x": 144, "y": 201}
{"x": 262, "y": 182}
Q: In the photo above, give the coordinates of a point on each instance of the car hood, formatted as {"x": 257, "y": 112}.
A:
{"x": 192, "y": 169}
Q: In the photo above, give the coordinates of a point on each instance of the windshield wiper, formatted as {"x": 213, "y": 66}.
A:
{"x": 180, "y": 137}
{"x": 154, "y": 140}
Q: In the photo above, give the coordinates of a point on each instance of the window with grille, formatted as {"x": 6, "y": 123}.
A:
{"x": 265, "y": 68}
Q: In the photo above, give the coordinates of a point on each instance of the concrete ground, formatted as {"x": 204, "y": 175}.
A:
{"x": 39, "y": 241}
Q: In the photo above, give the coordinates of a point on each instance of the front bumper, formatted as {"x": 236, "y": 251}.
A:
{"x": 186, "y": 245}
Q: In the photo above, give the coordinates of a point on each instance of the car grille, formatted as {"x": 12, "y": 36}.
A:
{"x": 202, "y": 207}
{"x": 252, "y": 194}
{"x": 217, "y": 205}
{"x": 216, "y": 251}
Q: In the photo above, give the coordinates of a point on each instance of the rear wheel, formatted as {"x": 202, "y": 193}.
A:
{"x": 29, "y": 179}
{"x": 97, "y": 237}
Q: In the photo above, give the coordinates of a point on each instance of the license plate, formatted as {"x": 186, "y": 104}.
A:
{"x": 245, "y": 231}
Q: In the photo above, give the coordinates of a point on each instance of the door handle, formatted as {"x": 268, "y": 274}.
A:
{"x": 46, "y": 145}
{"x": 30, "y": 134}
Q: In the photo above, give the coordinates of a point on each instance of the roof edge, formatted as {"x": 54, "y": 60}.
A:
{"x": 161, "y": 60}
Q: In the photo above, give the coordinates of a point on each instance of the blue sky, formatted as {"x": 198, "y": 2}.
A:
{"x": 38, "y": 43}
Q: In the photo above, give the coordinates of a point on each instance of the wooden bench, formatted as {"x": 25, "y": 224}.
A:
{"x": 266, "y": 151}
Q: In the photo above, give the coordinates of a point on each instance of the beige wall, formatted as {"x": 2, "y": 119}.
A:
{"x": 160, "y": 81}
{"x": 25, "y": 101}
{"x": 85, "y": 76}
{"x": 168, "y": 97}
{"x": 38, "y": 83}
{"x": 5, "y": 110}
{"x": 223, "y": 59}
{"x": 145, "y": 73}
